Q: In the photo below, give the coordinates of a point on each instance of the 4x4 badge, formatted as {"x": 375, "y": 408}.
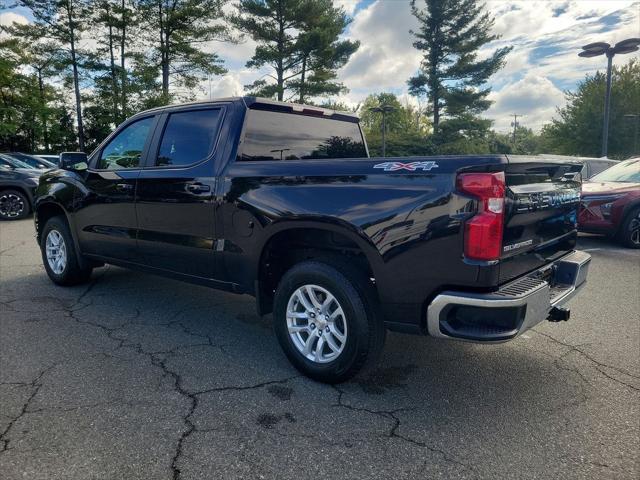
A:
{"x": 411, "y": 166}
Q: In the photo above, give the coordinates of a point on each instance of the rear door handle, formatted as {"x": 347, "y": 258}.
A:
{"x": 198, "y": 187}
{"x": 124, "y": 187}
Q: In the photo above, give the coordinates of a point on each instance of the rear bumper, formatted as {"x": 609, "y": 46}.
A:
{"x": 513, "y": 309}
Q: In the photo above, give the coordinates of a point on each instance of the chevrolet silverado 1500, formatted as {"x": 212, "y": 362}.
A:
{"x": 282, "y": 202}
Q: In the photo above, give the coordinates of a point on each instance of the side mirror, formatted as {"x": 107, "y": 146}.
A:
{"x": 73, "y": 161}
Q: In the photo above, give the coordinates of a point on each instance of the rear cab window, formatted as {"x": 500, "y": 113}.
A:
{"x": 274, "y": 136}
{"x": 188, "y": 137}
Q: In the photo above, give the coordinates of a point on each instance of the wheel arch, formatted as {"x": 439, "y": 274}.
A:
{"x": 293, "y": 241}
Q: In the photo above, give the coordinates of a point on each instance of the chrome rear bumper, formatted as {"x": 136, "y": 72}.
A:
{"x": 511, "y": 310}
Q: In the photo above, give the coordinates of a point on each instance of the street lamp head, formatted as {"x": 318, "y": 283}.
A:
{"x": 627, "y": 46}
{"x": 594, "y": 49}
{"x": 590, "y": 53}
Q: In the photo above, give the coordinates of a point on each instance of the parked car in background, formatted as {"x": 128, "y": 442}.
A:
{"x": 591, "y": 166}
{"x": 611, "y": 203}
{"x": 18, "y": 182}
{"x": 33, "y": 160}
{"x": 51, "y": 158}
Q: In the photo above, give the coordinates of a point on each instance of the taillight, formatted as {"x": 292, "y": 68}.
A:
{"x": 483, "y": 232}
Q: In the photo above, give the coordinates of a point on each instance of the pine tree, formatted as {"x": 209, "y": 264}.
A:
{"x": 62, "y": 22}
{"x": 178, "y": 30}
{"x": 299, "y": 39}
{"x": 451, "y": 75}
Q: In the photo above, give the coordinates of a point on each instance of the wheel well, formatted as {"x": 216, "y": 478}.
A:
{"x": 288, "y": 247}
{"x": 18, "y": 189}
{"x": 44, "y": 213}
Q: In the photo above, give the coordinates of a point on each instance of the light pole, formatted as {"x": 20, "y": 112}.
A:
{"x": 635, "y": 132}
{"x": 601, "y": 48}
{"x": 384, "y": 109}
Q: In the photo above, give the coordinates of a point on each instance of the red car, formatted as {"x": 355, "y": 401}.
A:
{"x": 611, "y": 203}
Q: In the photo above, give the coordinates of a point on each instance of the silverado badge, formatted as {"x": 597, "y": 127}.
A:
{"x": 411, "y": 166}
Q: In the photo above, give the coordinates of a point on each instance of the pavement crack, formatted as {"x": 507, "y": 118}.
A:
{"x": 396, "y": 424}
{"x": 36, "y": 385}
{"x": 247, "y": 387}
{"x": 599, "y": 366}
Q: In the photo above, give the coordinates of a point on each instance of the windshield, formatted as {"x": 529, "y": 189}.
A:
{"x": 628, "y": 171}
{"x": 14, "y": 162}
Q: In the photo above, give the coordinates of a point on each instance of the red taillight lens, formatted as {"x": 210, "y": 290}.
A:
{"x": 483, "y": 232}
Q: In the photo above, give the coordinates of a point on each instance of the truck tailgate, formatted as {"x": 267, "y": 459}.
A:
{"x": 542, "y": 199}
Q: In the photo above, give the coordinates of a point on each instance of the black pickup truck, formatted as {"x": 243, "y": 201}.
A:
{"x": 281, "y": 202}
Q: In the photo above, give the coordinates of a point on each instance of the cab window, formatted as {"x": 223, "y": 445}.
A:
{"x": 125, "y": 149}
{"x": 188, "y": 137}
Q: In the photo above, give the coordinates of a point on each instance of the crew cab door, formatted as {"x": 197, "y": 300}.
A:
{"x": 175, "y": 193}
{"x": 105, "y": 217}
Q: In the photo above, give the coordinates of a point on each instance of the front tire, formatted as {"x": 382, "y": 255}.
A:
{"x": 59, "y": 254}
{"x": 326, "y": 320}
{"x": 630, "y": 231}
{"x": 14, "y": 205}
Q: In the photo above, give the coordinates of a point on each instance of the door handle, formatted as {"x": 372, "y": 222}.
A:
{"x": 198, "y": 187}
{"x": 124, "y": 187}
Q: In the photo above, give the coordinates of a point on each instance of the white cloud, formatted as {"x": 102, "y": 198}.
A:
{"x": 535, "y": 98}
{"x": 7, "y": 18}
{"x": 349, "y": 6}
{"x": 386, "y": 57}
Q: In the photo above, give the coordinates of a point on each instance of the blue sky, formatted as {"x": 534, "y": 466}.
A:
{"x": 546, "y": 36}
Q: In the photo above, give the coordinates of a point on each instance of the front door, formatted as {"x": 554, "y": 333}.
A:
{"x": 106, "y": 217}
{"x": 175, "y": 194}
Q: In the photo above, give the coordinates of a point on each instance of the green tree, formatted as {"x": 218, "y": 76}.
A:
{"x": 450, "y": 35}
{"x": 300, "y": 41}
{"x": 62, "y": 22}
{"x": 578, "y": 128}
{"x": 179, "y": 31}
{"x": 407, "y": 129}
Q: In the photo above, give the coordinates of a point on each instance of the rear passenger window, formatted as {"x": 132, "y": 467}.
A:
{"x": 188, "y": 137}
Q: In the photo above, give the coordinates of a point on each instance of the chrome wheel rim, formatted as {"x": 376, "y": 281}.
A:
{"x": 634, "y": 228}
{"x": 316, "y": 323}
{"x": 11, "y": 205}
{"x": 56, "y": 252}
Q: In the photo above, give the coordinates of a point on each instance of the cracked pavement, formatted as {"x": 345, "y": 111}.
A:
{"x": 136, "y": 376}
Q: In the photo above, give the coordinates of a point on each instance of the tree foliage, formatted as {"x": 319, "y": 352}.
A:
{"x": 451, "y": 75}
{"x": 299, "y": 40}
{"x": 578, "y": 128}
{"x": 177, "y": 31}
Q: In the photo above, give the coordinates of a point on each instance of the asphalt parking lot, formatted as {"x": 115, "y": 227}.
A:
{"x": 135, "y": 376}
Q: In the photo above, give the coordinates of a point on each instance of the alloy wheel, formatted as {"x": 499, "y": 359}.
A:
{"x": 56, "y": 252}
{"x": 11, "y": 205}
{"x": 316, "y": 323}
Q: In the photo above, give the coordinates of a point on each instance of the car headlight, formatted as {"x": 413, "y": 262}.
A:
{"x": 605, "y": 209}
{"x": 603, "y": 202}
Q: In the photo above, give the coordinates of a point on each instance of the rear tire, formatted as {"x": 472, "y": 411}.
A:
{"x": 629, "y": 233}
{"x": 14, "y": 205}
{"x": 327, "y": 320}
{"x": 59, "y": 254}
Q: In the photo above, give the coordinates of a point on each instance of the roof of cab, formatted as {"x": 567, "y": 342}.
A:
{"x": 265, "y": 104}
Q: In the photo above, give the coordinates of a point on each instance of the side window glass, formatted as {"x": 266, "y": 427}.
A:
{"x": 188, "y": 137}
{"x": 125, "y": 149}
